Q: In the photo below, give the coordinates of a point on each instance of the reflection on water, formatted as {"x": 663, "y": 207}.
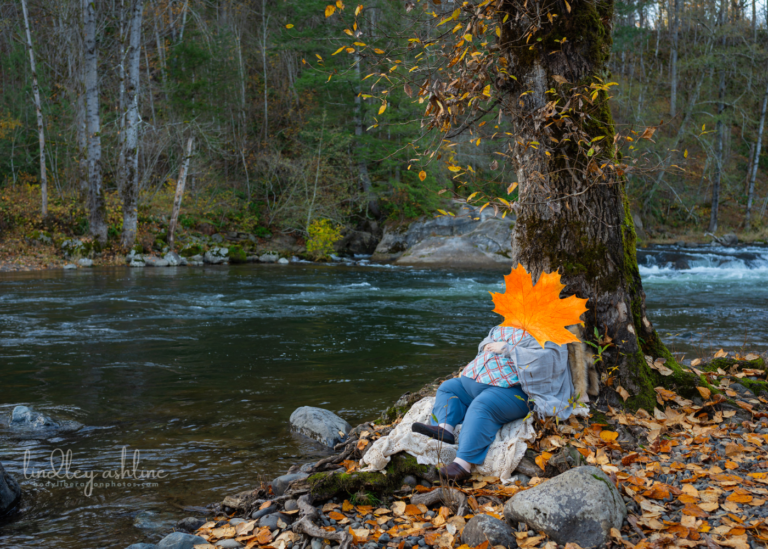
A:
{"x": 199, "y": 370}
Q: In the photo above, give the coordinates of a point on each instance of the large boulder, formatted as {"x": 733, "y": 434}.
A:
{"x": 216, "y": 255}
{"x": 27, "y": 420}
{"x": 154, "y": 261}
{"x": 180, "y": 540}
{"x": 482, "y": 528}
{"x": 579, "y": 506}
{"x": 729, "y": 240}
{"x": 470, "y": 239}
{"x": 321, "y": 425}
{"x": 10, "y": 492}
{"x": 356, "y": 243}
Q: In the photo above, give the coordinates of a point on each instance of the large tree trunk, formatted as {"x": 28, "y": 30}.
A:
{"x": 96, "y": 202}
{"x": 129, "y": 175}
{"x": 719, "y": 160}
{"x": 38, "y": 110}
{"x": 569, "y": 219}
{"x": 755, "y": 164}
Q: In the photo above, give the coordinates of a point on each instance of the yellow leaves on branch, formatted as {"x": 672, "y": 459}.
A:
{"x": 422, "y": 175}
{"x": 329, "y": 10}
{"x": 538, "y": 310}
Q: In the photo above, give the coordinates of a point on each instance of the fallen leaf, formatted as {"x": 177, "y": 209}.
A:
{"x": 347, "y": 506}
{"x": 542, "y": 459}
{"x": 704, "y": 392}
{"x": 609, "y": 436}
{"x": 398, "y": 508}
{"x": 721, "y": 354}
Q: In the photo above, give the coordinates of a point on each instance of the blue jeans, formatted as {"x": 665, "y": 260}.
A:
{"x": 481, "y": 408}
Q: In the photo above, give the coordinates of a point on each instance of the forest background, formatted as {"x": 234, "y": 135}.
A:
{"x": 283, "y": 125}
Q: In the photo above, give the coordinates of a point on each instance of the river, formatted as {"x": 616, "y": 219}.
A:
{"x": 195, "y": 371}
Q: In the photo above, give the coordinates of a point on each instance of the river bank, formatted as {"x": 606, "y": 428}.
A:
{"x": 684, "y": 487}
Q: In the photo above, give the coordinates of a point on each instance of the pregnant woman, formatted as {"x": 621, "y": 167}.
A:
{"x": 511, "y": 375}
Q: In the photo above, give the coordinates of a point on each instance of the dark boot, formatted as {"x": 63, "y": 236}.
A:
{"x": 433, "y": 431}
{"x": 454, "y": 472}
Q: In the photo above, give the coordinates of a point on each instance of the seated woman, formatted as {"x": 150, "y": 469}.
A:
{"x": 511, "y": 374}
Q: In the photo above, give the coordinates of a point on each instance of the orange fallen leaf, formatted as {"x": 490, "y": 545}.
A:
{"x": 721, "y": 354}
{"x": 704, "y": 392}
{"x": 336, "y": 515}
{"x": 609, "y": 436}
{"x": 538, "y": 310}
{"x": 542, "y": 459}
{"x": 693, "y": 510}
{"x": 347, "y": 506}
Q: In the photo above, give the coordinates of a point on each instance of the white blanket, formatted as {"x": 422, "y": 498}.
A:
{"x": 505, "y": 453}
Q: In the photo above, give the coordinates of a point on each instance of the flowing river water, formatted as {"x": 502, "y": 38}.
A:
{"x": 195, "y": 371}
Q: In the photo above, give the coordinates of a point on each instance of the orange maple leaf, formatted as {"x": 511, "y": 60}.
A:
{"x": 538, "y": 310}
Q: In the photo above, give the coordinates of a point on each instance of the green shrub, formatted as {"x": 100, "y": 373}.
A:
{"x": 322, "y": 236}
{"x": 236, "y": 254}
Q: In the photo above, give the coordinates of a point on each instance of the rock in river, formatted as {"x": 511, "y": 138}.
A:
{"x": 180, "y": 540}
{"x": 280, "y": 484}
{"x": 26, "y": 419}
{"x": 485, "y": 527}
{"x": 10, "y": 493}
{"x": 579, "y": 506}
{"x": 321, "y": 425}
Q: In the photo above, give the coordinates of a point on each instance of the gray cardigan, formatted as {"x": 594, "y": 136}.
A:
{"x": 544, "y": 374}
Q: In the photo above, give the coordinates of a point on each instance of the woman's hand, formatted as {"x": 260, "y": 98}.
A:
{"x": 496, "y": 348}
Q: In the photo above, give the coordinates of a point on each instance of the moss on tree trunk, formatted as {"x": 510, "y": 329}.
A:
{"x": 573, "y": 214}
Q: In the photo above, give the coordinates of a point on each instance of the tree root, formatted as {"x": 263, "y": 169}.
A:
{"x": 306, "y": 524}
{"x": 454, "y": 499}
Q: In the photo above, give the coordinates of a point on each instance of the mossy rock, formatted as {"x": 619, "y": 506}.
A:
{"x": 726, "y": 364}
{"x": 138, "y": 248}
{"x": 237, "y": 255}
{"x": 191, "y": 249}
{"x": 324, "y": 486}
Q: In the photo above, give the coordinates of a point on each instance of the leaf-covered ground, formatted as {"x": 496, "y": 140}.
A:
{"x": 692, "y": 473}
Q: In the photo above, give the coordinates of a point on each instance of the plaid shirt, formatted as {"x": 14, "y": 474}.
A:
{"x": 493, "y": 369}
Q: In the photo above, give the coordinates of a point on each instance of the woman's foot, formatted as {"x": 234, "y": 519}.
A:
{"x": 454, "y": 472}
{"x": 434, "y": 431}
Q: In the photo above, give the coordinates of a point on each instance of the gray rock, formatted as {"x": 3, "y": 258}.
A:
{"x": 270, "y": 521}
{"x": 291, "y": 505}
{"x": 280, "y": 484}
{"x": 317, "y": 543}
{"x": 319, "y": 424}
{"x": 24, "y": 418}
{"x": 307, "y": 467}
{"x": 729, "y": 239}
{"x": 229, "y": 544}
{"x": 85, "y": 262}
{"x": 190, "y": 524}
{"x": 410, "y": 480}
{"x": 471, "y": 238}
{"x": 69, "y": 266}
{"x": 142, "y": 546}
{"x": 356, "y": 242}
{"x": 217, "y": 238}
{"x": 173, "y": 259}
{"x": 137, "y": 263}
{"x": 580, "y": 506}
{"x": 196, "y": 260}
{"x": 269, "y": 257}
{"x": 264, "y": 512}
{"x": 282, "y": 261}
{"x": 154, "y": 261}
{"x": 180, "y": 540}
{"x": 484, "y": 527}
{"x": 10, "y": 492}
{"x": 216, "y": 256}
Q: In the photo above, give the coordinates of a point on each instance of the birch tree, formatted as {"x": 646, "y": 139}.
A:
{"x": 96, "y": 201}
{"x": 129, "y": 175}
{"x": 38, "y": 111}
